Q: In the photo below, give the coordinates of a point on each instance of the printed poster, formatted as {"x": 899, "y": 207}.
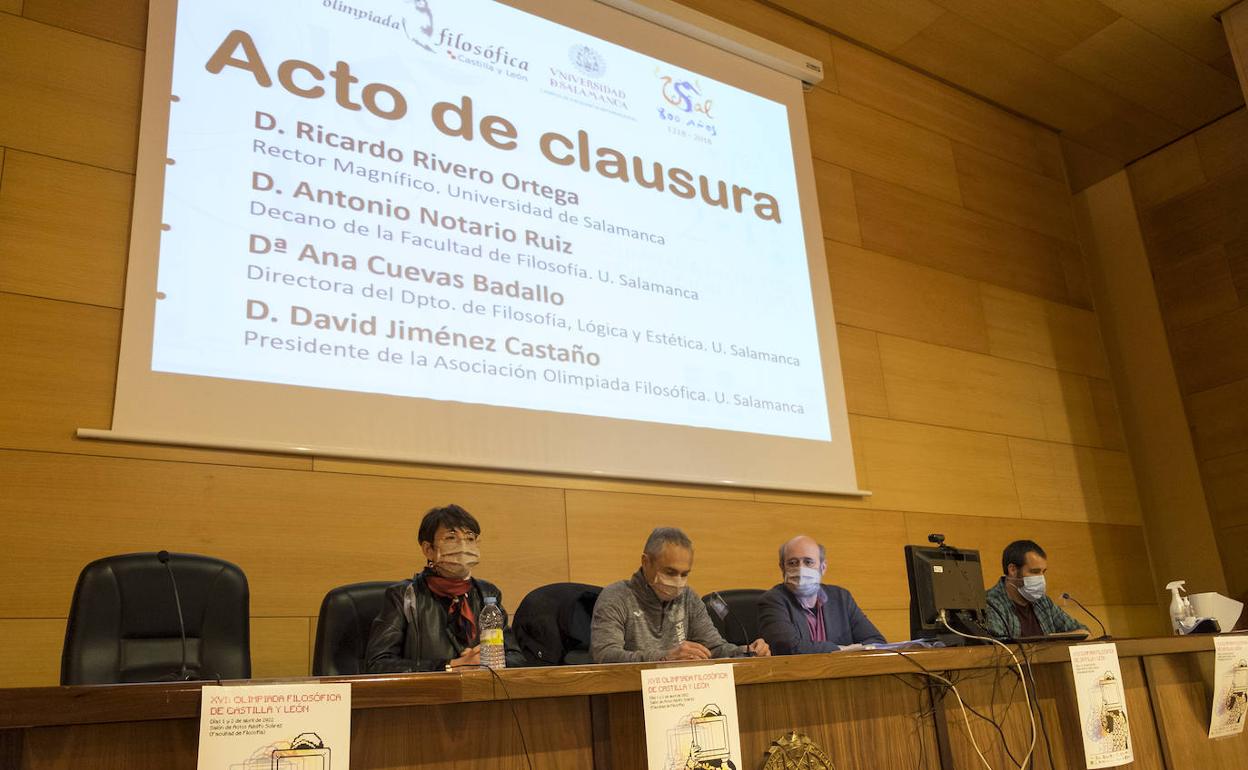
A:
{"x": 275, "y": 727}
{"x": 1102, "y": 705}
{"x": 1230, "y": 686}
{"x": 691, "y": 718}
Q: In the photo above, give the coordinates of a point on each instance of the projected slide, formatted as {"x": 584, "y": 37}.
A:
{"x": 458, "y": 201}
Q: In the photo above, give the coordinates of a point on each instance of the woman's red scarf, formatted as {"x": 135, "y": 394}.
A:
{"x": 461, "y": 615}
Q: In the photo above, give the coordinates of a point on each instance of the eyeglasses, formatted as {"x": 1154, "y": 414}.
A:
{"x": 458, "y": 538}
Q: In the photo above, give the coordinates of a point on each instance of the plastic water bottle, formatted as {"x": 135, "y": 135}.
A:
{"x": 493, "y": 654}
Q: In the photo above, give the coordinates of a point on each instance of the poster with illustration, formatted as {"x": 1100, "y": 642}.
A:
{"x": 1102, "y": 705}
{"x": 1230, "y": 686}
{"x": 691, "y": 718}
{"x": 275, "y": 727}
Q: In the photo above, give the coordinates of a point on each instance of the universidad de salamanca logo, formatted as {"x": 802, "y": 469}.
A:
{"x": 587, "y": 82}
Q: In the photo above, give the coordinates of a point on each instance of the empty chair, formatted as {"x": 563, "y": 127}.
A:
{"x": 737, "y": 617}
{"x": 552, "y": 624}
{"x": 123, "y": 621}
{"x": 347, "y": 614}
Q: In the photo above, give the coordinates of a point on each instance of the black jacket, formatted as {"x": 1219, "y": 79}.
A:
{"x": 412, "y": 633}
{"x": 784, "y": 626}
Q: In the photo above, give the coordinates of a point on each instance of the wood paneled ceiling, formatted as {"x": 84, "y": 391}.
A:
{"x": 1118, "y": 77}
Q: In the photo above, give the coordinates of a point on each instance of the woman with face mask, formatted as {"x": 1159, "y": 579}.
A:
{"x": 429, "y": 623}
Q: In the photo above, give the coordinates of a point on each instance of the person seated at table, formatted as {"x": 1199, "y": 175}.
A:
{"x": 804, "y": 615}
{"x": 429, "y": 623}
{"x": 1018, "y": 606}
{"x": 654, "y": 615}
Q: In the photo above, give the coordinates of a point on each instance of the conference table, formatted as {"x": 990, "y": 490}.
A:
{"x": 867, "y": 709}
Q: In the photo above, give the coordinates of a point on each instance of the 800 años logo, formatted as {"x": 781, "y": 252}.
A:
{"x": 687, "y": 109}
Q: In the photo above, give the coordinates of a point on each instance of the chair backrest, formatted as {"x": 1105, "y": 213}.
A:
{"x": 123, "y": 621}
{"x": 552, "y": 623}
{"x": 739, "y": 623}
{"x": 347, "y": 615}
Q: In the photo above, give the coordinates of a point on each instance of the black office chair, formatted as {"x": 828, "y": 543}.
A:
{"x": 347, "y": 615}
{"x": 552, "y": 624}
{"x": 736, "y": 617}
{"x": 123, "y": 621}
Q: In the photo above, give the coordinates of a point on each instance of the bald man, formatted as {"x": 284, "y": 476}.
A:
{"x": 802, "y": 615}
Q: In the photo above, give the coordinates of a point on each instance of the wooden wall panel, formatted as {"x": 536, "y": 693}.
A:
{"x": 913, "y": 467}
{"x": 1219, "y": 420}
{"x": 890, "y": 295}
{"x": 1000, "y": 189}
{"x": 1221, "y": 145}
{"x": 1125, "y": 620}
{"x": 1180, "y": 534}
{"x": 1024, "y": 328}
{"x": 1210, "y": 214}
{"x": 1189, "y": 24}
{"x": 121, "y": 21}
{"x": 79, "y": 96}
{"x": 1198, "y": 287}
{"x": 850, "y": 135}
{"x": 1193, "y": 209}
{"x": 860, "y": 365}
{"x": 1233, "y": 543}
{"x": 1046, "y": 29}
{"x": 522, "y": 479}
{"x": 1212, "y": 353}
{"x": 904, "y": 93}
{"x": 1172, "y": 170}
{"x": 886, "y": 26}
{"x": 1128, "y": 60}
{"x": 1069, "y": 483}
{"x": 39, "y": 254}
{"x": 949, "y": 247}
{"x": 837, "y": 210}
{"x": 942, "y": 386}
{"x": 295, "y": 533}
{"x": 32, "y": 651}
{"x": 1228, "y": 494}
{"x": 279, "y": 647}
{"x": 57, "y": 369}
{"x": 902, "y": 223}
{"x": 1085, "y": 166}
{"x": 774, "y": 25}
{"x": 963, "y": 52}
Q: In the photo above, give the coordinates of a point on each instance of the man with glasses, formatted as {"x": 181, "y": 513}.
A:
{"x": 802, "y": 615}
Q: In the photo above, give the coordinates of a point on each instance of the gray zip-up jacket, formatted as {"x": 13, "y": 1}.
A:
{"x": 631, "y": 624}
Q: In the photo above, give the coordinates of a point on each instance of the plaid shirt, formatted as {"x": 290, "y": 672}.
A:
{"x": 1003, "y": 621}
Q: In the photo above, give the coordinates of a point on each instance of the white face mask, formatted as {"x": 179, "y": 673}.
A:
{"x": 1033, "y": 588}
{"x": 457, "y": 560}
{"x": 804, "y": 581}
{"x": 667, "y": 587}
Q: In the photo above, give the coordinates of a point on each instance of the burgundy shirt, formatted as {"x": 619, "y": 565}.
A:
{"x": 814, "y": 620}
{"x": 1029, "y": 624}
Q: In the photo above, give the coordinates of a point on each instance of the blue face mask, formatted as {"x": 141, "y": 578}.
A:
{"x": 1033, "y": 588}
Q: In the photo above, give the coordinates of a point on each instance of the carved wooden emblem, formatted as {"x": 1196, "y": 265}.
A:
{"x": 796, "y": 751}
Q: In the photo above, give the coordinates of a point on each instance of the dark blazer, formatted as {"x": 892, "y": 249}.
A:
{"x": 784, "y": 626}
{"x": 412, "y": 632}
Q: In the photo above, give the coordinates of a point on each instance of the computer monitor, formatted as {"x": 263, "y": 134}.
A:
{"x": 950, "y": 579}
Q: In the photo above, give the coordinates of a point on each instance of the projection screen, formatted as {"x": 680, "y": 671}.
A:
{"x": 544, "y": 236}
